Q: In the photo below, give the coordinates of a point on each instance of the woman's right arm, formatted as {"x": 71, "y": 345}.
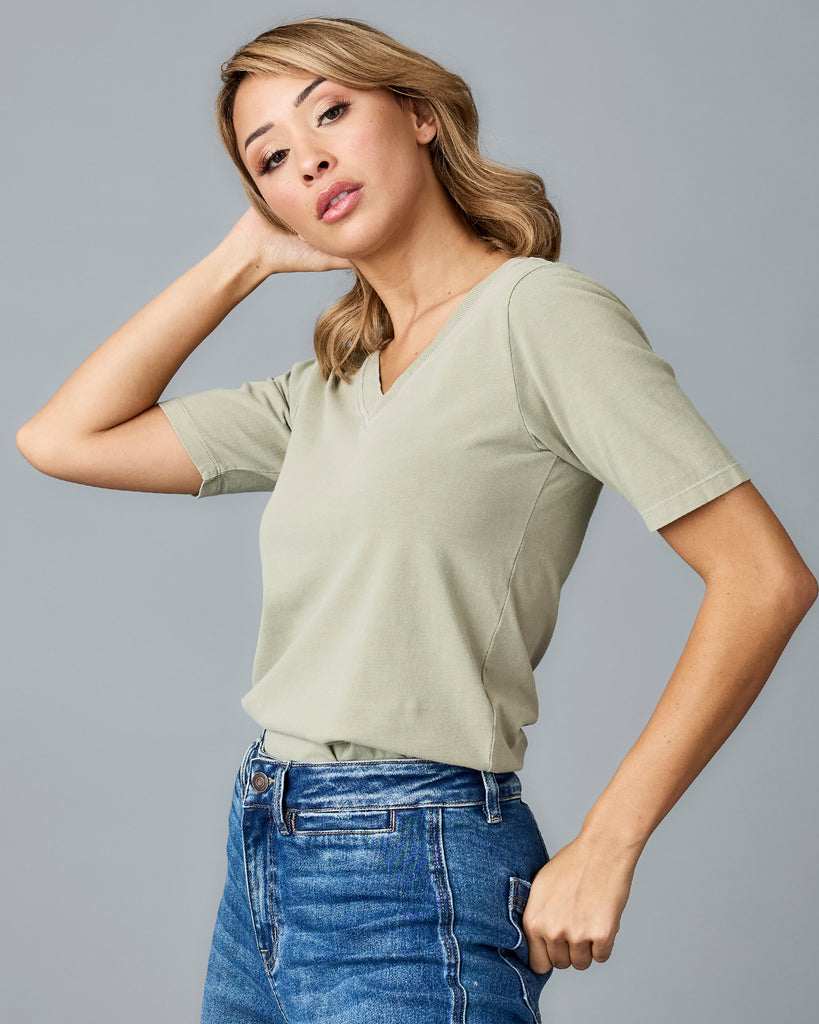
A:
{"x": 103, "y": 426}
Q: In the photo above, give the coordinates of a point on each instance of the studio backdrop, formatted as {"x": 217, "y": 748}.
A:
{"x": 677, "y": 142}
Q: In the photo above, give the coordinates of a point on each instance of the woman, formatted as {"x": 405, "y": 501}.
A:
{"x": 432, "y": 471}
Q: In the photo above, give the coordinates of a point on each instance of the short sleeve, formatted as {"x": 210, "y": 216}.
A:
{"x": 592, "y": 391}
{"x": 237, "y": 438}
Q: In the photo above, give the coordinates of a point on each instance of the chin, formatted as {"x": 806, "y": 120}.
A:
{"x": 365, "y": 242}
{"x": 350, "y": 248}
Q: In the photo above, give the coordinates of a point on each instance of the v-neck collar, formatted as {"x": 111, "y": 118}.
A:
{"x": 371, "y": 399}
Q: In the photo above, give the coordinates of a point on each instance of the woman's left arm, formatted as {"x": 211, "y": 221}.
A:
{"x": 757, "y": 590}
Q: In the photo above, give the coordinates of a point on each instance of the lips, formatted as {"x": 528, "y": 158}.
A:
{"x": 330, "y": 193}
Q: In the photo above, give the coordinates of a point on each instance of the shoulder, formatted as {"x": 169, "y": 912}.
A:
{"x": 301, "y": 372}
{"x": 293, "y": 381}
{"x": 559, "y": 284}
{"x": 564, "y": 302}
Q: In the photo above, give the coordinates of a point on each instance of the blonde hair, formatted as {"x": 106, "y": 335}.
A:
{"x": 506, "y": 207}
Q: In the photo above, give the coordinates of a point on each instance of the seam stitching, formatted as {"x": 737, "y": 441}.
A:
{"x": 691, "y": 487}
{"x": 446, "y": 928}
{"x": 506, "y": 602}
{"x": 538, "y": 446}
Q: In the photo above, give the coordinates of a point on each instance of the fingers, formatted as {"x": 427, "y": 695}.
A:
{"x": 601, "y": 950}
{"x": 579, "y": 956}
{"x": 561, "y": 953}
{"x": 539, "y": 959}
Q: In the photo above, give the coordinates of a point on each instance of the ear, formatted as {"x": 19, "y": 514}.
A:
{"x": 426, "y": 127}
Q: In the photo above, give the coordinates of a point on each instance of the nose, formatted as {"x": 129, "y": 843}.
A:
{"x": 313, "y": 168}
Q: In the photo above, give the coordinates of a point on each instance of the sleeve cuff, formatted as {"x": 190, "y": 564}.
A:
{"x": 694, "y": 496}
{"x": 194, "y": 444}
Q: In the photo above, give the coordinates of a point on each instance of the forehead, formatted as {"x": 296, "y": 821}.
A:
{"x": 267, "y": 95}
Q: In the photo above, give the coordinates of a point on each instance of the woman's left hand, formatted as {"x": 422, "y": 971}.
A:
{"x": 573, "y": 911}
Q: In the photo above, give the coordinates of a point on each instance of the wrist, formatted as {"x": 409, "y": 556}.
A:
{"x": 615, "y": 835}
{"x": 243, "y": 266}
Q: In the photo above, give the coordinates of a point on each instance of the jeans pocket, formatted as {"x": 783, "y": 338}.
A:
{"x": 353, "y": 821}
{"x": 517, "y": 956}
{"x": 519, "y": 890}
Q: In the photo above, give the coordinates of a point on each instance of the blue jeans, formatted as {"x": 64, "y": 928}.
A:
{"x": 385, "y": 892}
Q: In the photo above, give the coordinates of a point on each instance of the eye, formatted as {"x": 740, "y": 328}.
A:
{"x": 338, "y": 110}
{"x": 271, "y": 162}
{"x": 275, "y": 159}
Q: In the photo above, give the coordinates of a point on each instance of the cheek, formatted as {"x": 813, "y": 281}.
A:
{"x": 378, "y": 150}
{"x": 282, "y": 201}
{"x": 390, "y": 158}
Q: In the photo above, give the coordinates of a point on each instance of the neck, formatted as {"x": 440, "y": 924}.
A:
{"x": 427, "y": 261}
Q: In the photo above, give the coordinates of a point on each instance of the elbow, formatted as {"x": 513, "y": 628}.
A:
{"x": 778, "y": 589}
{"x": 24, "y": 443}
{"x": 809, "y": 589}
{"x": 35, "y": 449}
{"x": 793, "y": 590}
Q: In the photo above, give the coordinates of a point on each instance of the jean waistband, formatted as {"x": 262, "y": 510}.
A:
{"x": 403, "y": 782}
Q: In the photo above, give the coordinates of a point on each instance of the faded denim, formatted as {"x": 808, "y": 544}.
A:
{"x": 386, "y": 892}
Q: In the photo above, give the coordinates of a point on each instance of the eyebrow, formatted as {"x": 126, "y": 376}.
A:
{"x": 302, "y": 96}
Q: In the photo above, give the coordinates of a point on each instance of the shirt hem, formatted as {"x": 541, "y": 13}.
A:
{"x": 194, "y": 444}
{"x": 690, "y": 498}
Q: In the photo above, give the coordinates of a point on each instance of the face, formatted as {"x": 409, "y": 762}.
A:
{"x": 304, "y": 139}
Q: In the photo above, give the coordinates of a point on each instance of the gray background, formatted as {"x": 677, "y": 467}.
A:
{"x": 677, "y": 141}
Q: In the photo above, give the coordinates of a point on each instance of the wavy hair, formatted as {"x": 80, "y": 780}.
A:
{"x": 506, "y": 207}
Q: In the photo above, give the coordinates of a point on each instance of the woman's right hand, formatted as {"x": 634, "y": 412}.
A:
{"x": 278, "y": 251}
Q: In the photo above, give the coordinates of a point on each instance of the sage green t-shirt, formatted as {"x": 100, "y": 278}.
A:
{"x": 415, "y": 542}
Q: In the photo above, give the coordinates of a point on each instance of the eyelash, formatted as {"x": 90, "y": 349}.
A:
{"x": 265, "y": 166}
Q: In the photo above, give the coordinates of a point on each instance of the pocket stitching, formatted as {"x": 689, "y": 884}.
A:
{"x": 519, "y": 889}
{"x": 293, "y": 813}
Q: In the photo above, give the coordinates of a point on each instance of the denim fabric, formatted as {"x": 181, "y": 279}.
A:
{"x": 386, "y": 892}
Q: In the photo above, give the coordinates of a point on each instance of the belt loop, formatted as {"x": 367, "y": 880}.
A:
{"x": 277, "y": 804}
{"x": 491, "y": 806}
{"x": 245, "y": 765}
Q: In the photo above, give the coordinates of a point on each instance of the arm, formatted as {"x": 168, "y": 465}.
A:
{"x": 757, "y": 590}
{"x": 102, "y": 427}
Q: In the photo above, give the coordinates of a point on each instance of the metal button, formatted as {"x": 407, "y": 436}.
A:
{"x": 260, "y": 782}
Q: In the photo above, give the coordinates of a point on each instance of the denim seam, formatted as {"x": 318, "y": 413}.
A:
{"x": 271, "y": 910}
{"x": 446, "y": 917}
{"x": 278, "y": 1001}
{"x": 273, "y": 955}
